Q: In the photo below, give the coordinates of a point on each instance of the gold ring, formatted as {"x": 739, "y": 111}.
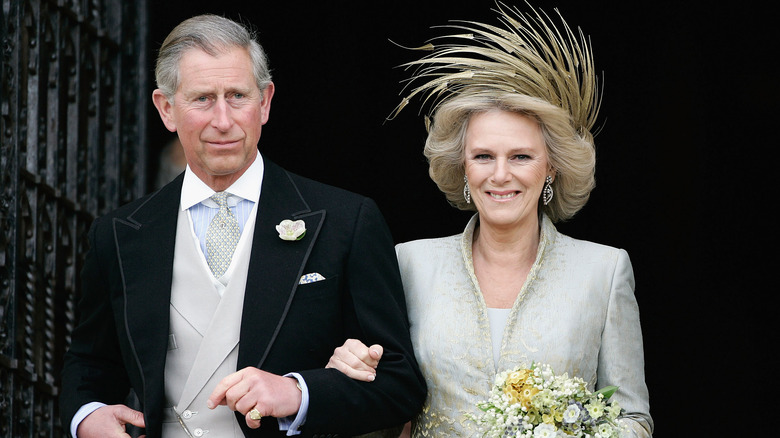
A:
{"x": 254, "y": 414}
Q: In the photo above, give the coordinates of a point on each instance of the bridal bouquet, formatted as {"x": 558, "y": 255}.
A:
{"x": 533, "y": 402}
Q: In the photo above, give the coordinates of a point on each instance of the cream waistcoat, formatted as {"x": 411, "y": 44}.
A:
{"x": 205, "y": 329}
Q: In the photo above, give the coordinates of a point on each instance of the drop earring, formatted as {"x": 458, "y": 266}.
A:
{"x": 547, "y": 193}
{"x": 466, "y": 190}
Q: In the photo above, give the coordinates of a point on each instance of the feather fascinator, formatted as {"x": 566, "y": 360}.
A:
{"x": 528, "y": 55}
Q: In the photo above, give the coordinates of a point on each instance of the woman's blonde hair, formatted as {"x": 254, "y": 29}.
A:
{"x": 571, "y": 155}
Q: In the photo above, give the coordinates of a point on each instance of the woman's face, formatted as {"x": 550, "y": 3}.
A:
{"x": 506, "y": 165}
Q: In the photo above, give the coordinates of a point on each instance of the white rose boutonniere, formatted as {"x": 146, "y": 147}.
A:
{"x": 291, "y": 230}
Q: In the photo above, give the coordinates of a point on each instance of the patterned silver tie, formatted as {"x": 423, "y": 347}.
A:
{"x": 222, "y": 236}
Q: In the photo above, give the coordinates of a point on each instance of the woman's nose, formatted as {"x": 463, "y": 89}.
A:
{"x": 501, "y": 171}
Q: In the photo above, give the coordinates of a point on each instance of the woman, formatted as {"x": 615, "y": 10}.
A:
{"x": 511, "y": 140}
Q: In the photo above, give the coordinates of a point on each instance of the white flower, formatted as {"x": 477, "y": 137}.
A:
{"x": 613, "y": 410}
{"x": 571, "y": 414}
{"x": 596, "y": 409}
{"x": 545, "y": 431}
{"x": 289, "y": 230}
{"x": 604, "y": 428}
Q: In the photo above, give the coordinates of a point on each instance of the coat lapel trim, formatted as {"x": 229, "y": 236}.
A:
{"x": 146, "y": 283}
{"x": 275, "y": 265}
{"x": 319, "y": 216}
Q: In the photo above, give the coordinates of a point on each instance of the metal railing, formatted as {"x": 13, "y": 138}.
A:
{"x": 72, "y": 146}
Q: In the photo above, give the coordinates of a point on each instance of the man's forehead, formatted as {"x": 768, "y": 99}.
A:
{"x": 214, "y": 53}
{"x": 198, "y": 68}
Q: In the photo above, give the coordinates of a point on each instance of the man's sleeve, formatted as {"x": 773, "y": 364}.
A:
{"x": 375, "y": 313}
{"x": 93, "y": 370}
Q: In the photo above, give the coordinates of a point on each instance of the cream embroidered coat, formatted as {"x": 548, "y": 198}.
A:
{"x": 576, "y": 312}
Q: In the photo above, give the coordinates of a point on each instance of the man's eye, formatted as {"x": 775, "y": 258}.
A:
{"x": 238, "y": 96}
{"x": 203, "y": 99}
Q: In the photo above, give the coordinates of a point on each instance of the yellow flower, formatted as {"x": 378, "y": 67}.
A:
{"x": 554, "y": 417}
{"x": 558, "y": 414}
{"x": 533, "y": 417}
{"x": 515, "y": 385}
{"x": 518, "y": 378}
{"x": 526, "y": 395}
{"x": 514, "y": 395}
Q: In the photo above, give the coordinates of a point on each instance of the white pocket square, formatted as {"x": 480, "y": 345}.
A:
{"x": 310, "y": 278}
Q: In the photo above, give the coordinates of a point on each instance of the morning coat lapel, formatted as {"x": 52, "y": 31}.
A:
{"x": 145, "y": 246}
{"x": 276, "y": 265}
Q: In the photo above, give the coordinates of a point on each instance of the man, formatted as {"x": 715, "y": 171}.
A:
{"x": 224, "y": 328}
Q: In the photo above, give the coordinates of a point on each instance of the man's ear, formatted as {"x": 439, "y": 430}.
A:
{"x": 164, "y": 107}
{"x": 265, "y": 105}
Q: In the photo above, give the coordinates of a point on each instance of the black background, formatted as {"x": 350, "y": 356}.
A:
{"x": 688, "y": 131}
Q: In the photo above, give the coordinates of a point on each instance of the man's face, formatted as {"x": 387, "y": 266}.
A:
{"x": 218, "y": 113}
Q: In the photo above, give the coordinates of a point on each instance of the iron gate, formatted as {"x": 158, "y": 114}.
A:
{"x": 72, "y": 146}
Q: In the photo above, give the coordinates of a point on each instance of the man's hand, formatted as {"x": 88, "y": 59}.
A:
{"x": 356, "y": 360}
{"x": 251, "y": 388}
{"x": 109, "y": 422}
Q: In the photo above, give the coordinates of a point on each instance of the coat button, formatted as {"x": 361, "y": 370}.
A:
{"x": 198, "y": 432}
{"x": 186, "y": 414}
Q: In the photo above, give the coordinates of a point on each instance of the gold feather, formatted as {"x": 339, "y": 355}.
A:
{"x": 529, "y": 55}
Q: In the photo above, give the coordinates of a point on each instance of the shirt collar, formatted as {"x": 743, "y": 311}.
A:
{"x": 248, "y": 185}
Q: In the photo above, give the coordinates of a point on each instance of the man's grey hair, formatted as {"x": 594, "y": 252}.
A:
{"x": 214, "y": 35}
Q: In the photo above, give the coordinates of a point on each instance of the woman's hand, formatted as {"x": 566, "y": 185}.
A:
{"x": 356, "y": 360}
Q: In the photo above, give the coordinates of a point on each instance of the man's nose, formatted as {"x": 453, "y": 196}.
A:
{"x": 222, "y": 118}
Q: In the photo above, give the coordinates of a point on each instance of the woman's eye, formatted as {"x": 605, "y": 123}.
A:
{"x": 482, "y": 157}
